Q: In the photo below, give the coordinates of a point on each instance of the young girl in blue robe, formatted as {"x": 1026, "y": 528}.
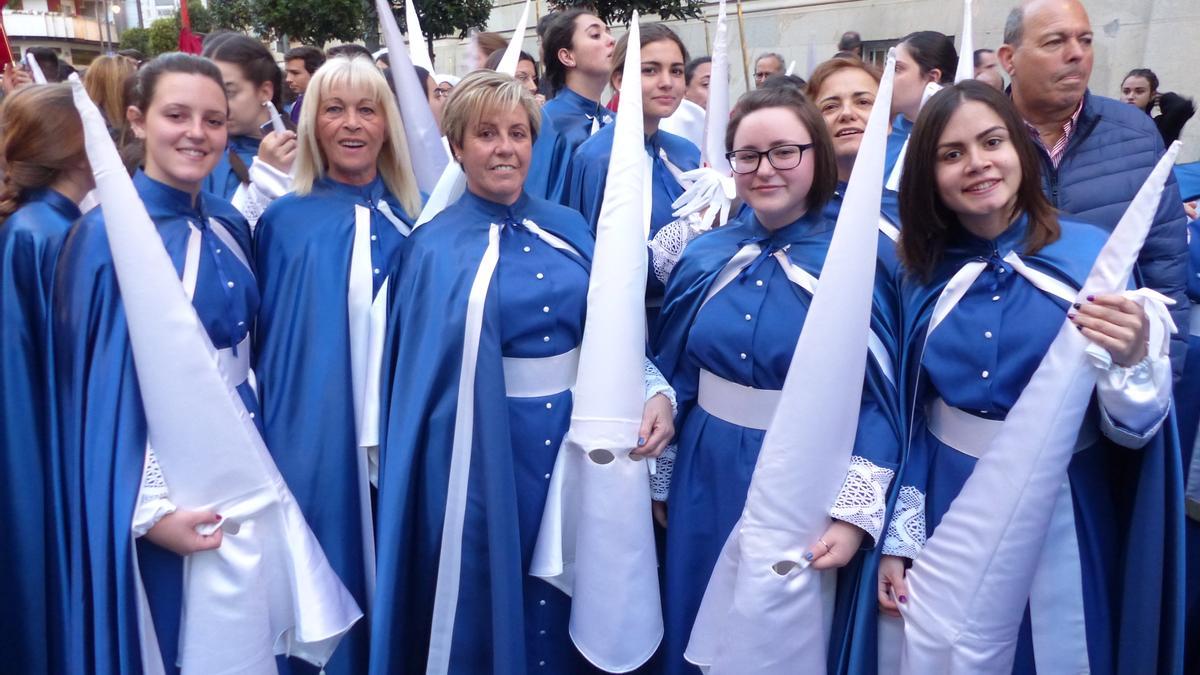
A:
{"x": 496, "y": 283}
{"x": 662, "y": 87}
{"x": 982, "y": 245}
{"x": 46, "y": 175}
{"x": 125, "y": 533}
{"x": 734, "y": 309}
{"x": 324, "y": 254}
{"x": 922, "y": 58}
{"x": 254, "y": 166}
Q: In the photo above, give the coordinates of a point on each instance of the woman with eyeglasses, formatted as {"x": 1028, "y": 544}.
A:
{"x": 735, "y": 305}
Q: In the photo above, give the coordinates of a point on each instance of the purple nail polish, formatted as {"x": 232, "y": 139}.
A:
{"x": 1071, "y": 315}
{"x": 903, "y": 599}
{"x": 1076, "y": 305}
{"x": 1091, "y": 298}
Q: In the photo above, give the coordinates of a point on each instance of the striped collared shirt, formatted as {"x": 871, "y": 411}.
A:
{"x": 1060, "y": 146}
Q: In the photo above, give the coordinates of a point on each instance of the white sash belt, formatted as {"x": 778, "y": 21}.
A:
{"x": 536, "y": 377}
{"x": 972, "y": 435}
{"x": 236, "y": 367}
{"x": 736, "y": 403}
{"x": 1194, "y": 323}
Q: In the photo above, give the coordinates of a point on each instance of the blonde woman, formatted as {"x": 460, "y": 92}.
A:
{"x": 324, "y": 254}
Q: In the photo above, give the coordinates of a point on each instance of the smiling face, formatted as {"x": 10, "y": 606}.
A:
{"x": 351, "y": 130}
{"x": 184, "y": 129}
{"x": 845, "y": 101}
{"x": 778, "y": 197}
{"x": 495, "y": 154}
{"x": 246, "y": 100}
{"x": 978, "y": 169}
{"x": 1136, "y": 90}
{"x": 697, "y": 91}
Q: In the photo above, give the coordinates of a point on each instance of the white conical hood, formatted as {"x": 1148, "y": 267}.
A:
{"x": 425, "y": 149}
{"x": 418, "y": 44}
{"x": 716, "y": 116}
{"x": 966, "y": 48}
{"x": 272, "y": 588}
{"x": 762, "y": 611}
{"x": 969, "y": 586}
{"x": 596, "y": 540}
{"x": 512, "y": 53}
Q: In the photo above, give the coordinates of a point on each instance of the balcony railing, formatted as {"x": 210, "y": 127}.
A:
{"x": 53, "y": 26}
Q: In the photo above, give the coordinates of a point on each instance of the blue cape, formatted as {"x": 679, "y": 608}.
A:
{"x": 223, "y": 182}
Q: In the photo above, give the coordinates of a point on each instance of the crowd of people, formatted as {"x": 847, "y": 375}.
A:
{"x": 413, "y": 378}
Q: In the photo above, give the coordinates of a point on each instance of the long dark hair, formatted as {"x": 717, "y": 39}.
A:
{"x": 824, "y": 164}
{"x": 928, "y": 223}
{"x": 559, "y": 34}
{"x": 255, "y": 61}
{"x": 931, "y": 49}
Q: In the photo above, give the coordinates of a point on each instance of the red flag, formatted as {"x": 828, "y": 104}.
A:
{"x": 189, "y": 42}
{"x": 5, "y": 50}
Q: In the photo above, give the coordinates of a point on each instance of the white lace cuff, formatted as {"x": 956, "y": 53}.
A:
{"x": 660, "y": 480}
{"x": 657, "y": 384}
{"x": 152, "y": 502}
{"x": 862, "y": 500}
{"x": 666, "y": 247}
{"x": 906, "y": 533}
{"x": 266, "y": 185}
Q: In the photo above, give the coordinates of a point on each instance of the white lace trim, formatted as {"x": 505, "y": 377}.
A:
{"x": 657, "y": 384}
{"x": 660, "y": 480}
{"x": 153, "y": 502}
{"x": 906, "y": 533}
{"x": 862, "y": 500}
{"x": 666, "y": 247}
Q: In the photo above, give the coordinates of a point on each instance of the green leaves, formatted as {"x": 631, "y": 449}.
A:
{"x": 619, "y": 11}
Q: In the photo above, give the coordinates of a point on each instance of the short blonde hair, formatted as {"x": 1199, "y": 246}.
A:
{"x": 482, "y": 92}
{"x": 395, "y": 164}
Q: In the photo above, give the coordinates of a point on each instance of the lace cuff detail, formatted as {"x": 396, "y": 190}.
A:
{"x": 153, "y": 502}
{"x": 660, "y": 480}
{"x": 668, "y": 243}
{"x": 657, "y": 384}
{"x": 862, "y": 500}
{"x": 906, "y": 533}
{"x": 266, "y": 185}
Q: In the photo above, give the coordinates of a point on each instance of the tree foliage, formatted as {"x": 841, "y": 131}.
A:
{"x": 619, "y": 11}
{"x": 163, "y": 34}
{"x": 236, "y": 15}
{"x": 136, "y": 38}
{"x": 442, "y": 18}
{"x": 313, "y": 22}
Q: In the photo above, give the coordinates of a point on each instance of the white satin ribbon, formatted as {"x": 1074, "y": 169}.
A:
{"x": 736, "y": 403}
{"x": 537, "y": 377}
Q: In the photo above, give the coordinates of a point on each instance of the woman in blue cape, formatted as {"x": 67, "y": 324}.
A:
{"x": 125, "y": 532}
{"x": 735, "y": 306}
{"x": 662, "y": 87}
{"x": 844, "y": 91}
{"x": 577, "y": 50}
{"x": 485, "y": 326}
{"x": 922, "y": 58}
{"x": 324, "y": 256}
{"x": 46, "y": 175}
{"x": 254, "y": 166}
{"x": 990, "y": 274}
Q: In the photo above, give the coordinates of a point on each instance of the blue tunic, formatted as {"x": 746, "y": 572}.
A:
{"x": 223, "y": 182}
{"x": 901, "y": 130}
{"x": 303, "y": 253}
{"x": 32, "y": 502}
{"x": 889, "y": 210}
{"x": 566, "y": 124}
{"x": 1187, "y": 407}
{"x": 747, "y": 334}
{"x": 105, "y": 427}
{"x": 506, "y": 621}
{"x": 1126, "y": 502}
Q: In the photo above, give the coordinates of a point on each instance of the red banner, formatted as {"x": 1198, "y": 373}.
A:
{"x": 189, "y": 42}
{"x": 5, "y": 49}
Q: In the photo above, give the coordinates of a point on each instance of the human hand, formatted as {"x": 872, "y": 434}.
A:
{"x": 837, "y": 546}
{"x": 177, "y": 533}
{"x": 659, "y": 510}
{"x": 658, "y": 428}
{"x": 14, "y": 78}
{"x": 1190, "y": 208}
{"x": 278, "y": 149}
{"x": 1116, "y": 323}
{"x": 892, "y": 584}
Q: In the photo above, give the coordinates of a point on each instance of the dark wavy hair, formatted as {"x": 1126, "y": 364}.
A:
{"x": 929, "y": 224}
{"x": 255, "y": 60}
{"x": 931, "y": 49}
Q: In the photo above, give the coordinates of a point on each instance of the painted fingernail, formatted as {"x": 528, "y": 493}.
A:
{"x": 1091, "y": 298}
{"x": 1076, "y": 305}
{"x": 808, "y": 556}
{"x": 219, "y": 517}
{"x": 641, "y": 441}
{"x": 1079, "y": 327}
{"x": 903, "y": 598}
{"x": 1070, "y": 315}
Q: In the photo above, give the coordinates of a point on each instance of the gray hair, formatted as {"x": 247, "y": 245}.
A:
{"x": 772, "y": 55}
{"x": 1014, "y": 26}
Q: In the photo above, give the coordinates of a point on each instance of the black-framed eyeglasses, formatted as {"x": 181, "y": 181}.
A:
{"x": 781, "y": 157}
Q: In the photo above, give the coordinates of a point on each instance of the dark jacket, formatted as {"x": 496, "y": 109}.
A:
{"x": 1110, "y": 154}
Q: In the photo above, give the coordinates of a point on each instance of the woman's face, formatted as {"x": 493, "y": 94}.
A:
{"x": 662, "y": 80}
{"x": 697, "y": 91}
{"x": 184, "y": 129}
{"x": 527, "y": 75}
{"x": 591, "y": 47}
{"x": 437, "y": 99}
{"x": 845, "y": 101}
{"x": 351, "y": 130}
{"x": 1136, "y": 90}
{"x": 246, "y": 100}
{"x": 495, "y": 153}
{"x": 909, "y": 85}
{"x": 978, "y": 170}
{"x": 778, "y": 196}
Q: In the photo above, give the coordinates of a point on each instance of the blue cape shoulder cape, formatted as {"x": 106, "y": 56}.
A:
{"x": 422, "y": 362}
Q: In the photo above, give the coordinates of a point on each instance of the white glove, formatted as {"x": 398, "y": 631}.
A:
{"x": 705, "y": 188}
